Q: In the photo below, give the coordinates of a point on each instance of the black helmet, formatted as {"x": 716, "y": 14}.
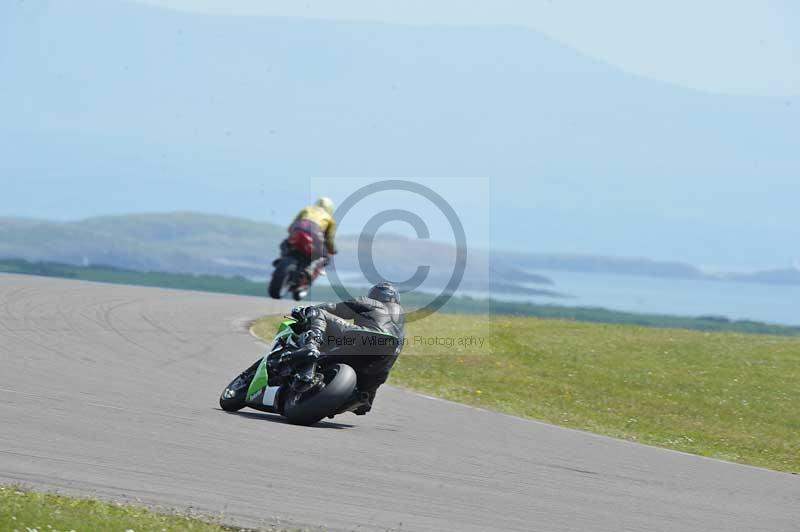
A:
{"x": 385, "y": 293}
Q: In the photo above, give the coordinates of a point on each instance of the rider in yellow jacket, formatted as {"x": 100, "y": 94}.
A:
{"x": 318, "y": 222}
{"x": 321, "y": 215}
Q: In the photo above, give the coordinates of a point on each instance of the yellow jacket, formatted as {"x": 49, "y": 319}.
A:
{"x": 325, "y": 221}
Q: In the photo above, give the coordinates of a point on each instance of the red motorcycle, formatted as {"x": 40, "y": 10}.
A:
{"x": 291, "y": 274}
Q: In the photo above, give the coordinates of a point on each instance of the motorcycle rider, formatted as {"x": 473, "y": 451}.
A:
{"x": 370, "y": 345}
{"x": 318, "y": 222}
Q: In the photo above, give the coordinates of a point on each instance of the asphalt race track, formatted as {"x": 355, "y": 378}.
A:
{"x": 112, "y": 391}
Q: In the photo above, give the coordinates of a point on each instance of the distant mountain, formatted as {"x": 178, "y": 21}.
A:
{"x": 610, "y": 265}
{"x": 210, "y": 244}
{"x": 122, "y": 107}
{"x": 787, "y": 276}
{"x": 174, "y": 242}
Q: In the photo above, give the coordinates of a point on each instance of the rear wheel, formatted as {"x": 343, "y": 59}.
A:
{"x": 234, "y": 395}
{"x": 281, "y": 277}
{"x": 309, "y": 407}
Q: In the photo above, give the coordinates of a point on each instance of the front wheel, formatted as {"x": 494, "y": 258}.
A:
{"x": 310, "y": 407}
{"x": 234, "y": 395}
{"x": 281, "y": 277}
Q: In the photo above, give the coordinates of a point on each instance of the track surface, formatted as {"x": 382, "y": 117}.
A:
{"x": 112, "y": 391}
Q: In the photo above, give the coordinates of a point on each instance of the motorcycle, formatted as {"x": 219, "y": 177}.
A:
{"x": 288, "y": 381}
{"x": 290, "y": 275}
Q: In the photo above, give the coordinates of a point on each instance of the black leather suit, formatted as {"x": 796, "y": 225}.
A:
{"x": 370, "y": 345}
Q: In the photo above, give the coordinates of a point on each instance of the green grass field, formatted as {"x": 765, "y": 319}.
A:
{"x": 723, "y": 395}
{"x": 25, "y": 511}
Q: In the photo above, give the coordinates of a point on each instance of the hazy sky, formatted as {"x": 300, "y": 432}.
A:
{"x": 739, "y": 46}
{"x": 112, "y": 107}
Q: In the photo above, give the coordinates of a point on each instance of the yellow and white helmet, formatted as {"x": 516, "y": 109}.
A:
{"x": 327, "y": 204}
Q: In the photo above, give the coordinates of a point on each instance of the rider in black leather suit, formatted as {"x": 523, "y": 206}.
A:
{"x": 370, "y": 345}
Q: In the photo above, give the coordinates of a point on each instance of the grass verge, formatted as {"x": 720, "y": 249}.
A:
{"x": 24, "y": 511}
{"x": 723, "y": 395}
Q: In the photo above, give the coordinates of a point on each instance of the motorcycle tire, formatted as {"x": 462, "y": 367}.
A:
{"x": 281, "y": 277}
{"x": 304, "y": 409}
{"x": 234, "y": 395}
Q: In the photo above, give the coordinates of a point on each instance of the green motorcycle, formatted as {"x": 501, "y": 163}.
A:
{"x": 292, "y": 381}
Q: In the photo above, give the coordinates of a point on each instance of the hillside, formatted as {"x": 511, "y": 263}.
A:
{"x": 176, "y": 242}
{"x": 197, "y": 243}
{"x": 207, "y": 244}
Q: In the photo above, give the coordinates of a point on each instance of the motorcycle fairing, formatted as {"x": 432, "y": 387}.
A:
{"x": 255, "y": 393}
